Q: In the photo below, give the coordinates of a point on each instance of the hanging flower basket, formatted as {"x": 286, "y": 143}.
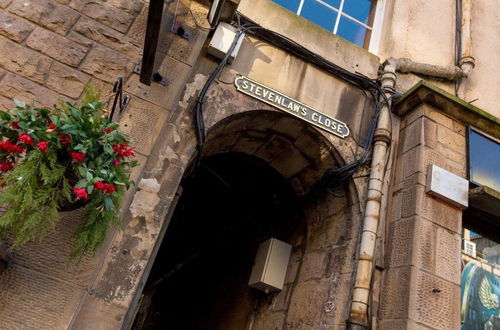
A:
{"x": 62, "y": 159}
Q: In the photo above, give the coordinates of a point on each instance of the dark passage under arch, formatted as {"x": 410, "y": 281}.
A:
{"x": 230, "y": 204}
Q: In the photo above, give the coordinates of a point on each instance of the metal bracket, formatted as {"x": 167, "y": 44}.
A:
{"x": 181, "y": 32}
{"x": 120, "y": 100}
{"x": 157, "y": 77}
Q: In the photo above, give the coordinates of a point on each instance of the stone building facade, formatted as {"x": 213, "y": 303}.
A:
{"x": 179, "y": 219}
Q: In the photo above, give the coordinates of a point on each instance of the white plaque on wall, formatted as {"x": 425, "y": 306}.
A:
{"x": 447, "y": 186}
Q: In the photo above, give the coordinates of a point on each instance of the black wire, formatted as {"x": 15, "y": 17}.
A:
{"x": 333, "y": 178}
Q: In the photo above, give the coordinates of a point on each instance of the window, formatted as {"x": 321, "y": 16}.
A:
{"x": 484, "y": 160}
{"x": 352, "y": 20}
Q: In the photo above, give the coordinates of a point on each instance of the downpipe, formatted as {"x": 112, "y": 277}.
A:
{"x": 358, "y": 316}
{"x": 452, "y": 72}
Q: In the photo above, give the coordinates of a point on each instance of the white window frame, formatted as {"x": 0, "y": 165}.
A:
{"x": 376, "y": 29}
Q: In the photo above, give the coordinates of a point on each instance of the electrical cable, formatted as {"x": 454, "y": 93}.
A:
{"x": 334, "y": 178}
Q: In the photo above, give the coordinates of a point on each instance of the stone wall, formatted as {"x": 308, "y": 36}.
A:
{"x": 48, "y": 50}
{"x": 421, "y": 287}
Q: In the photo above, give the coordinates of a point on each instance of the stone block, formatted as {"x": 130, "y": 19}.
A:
{"x": 50, "y": 256}
{"x": 400, "y": 242}
{"x": 294, "y": 265}
{"x": 6, "y": 103}
{"x": 269, "y": 321}
{"x": 104, "y": 13}
{"x": 448, "y": 138}
{"x": 289, "y": 161}
{"x": 416, "y": 202}
{"x": 459, "y": 128}
{"x": 438, "y": 117}
{"x": 107, "y": 64}
{"x": 23, "y": 61}
{"x": 138, "y": 29}
{"x": 448, "y": 255}
{"x": 336, "y": 308}
{"x": 411, "y": 136}
{"x": 430, "y": 133}
{"x": 412, "y": 116}
{"x": 133, "y": 7}
{"x": 395, "y": 294}
{"x": 142, "y": 122}
{"x": 314, "y": 265}
{"x": 306, "y": 304}
{"x": 14, "y": 86}
{"x": 166, "y": 96}
{"x": 56, "y": 46}
{"x": 50, "y": 14}
{"x": 106, "y": 37}
{"x": 14, "y": 27}
{"x": 246, "y": 144}
{"x": 81, "y": 40}
{"x": 436, "y": 302}
{"x": 66, "y": 80}
{"x": 97, "y": 314}
{"x": 330, "y": 230}
{"x": 4, "y": 3}
{"x": 32, "y": 300}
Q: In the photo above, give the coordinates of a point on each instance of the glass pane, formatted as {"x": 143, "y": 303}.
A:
{"x": 359, "y": 9}
{"x": 292, "y": 5}
{"x": 484, "y": 160}
{"x": 319, "y": 14}
{"x": 480, "y": 283}
{"x": 351, "y": 31}
{"x": 333, "y": 3}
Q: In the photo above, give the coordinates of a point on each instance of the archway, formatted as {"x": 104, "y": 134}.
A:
{"x": 253, "y": 183}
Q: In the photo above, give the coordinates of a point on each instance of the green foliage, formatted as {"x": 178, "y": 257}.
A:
{"x": 67, "y": 154}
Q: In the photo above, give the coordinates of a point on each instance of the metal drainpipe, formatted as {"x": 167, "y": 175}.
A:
{"x": 359, "y": 307}
{"x": 467, "y": 62}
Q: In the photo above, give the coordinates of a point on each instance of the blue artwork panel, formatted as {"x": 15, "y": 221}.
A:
{"x": 358, "y": 9}
{"x": 319, "y": 14}
{"x": 292, "y": 5}
{"x": 351, "y": 31}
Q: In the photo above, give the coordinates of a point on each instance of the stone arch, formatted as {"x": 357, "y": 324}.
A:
{"x": 322, "y": 262}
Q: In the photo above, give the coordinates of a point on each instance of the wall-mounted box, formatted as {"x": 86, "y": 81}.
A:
{"x": 222, "y": 40}
{"x": 271, "y": 263}
{"x": 447, "y": 186}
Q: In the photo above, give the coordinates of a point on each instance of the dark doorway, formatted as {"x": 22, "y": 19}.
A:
{"x": 230, "y": 204}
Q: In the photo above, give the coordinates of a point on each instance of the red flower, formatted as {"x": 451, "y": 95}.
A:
{"x": 65, "y": 139}
{"x": 6, "y": 166}
{"x": 25, "y": 138}
{"x": 116, "y": 162}
{"x": 10, "y": 147}
{"x": 43, "y": 146}
{"x": 108, "y": 188}
{"x": 81, "y": 193}
{"x": 99, "y": 185}
{"x": 108, "y": 130}
{"x": 78, "y": 157}
{"x": 122, "y": 150}
{"x": 52, "y": 127}
{"x": 15, "y": 124}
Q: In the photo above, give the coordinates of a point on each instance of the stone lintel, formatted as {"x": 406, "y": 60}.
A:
{"x": 426, "y": 93}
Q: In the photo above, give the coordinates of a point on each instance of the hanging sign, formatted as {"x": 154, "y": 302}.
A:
{"x": 291, "y": 106}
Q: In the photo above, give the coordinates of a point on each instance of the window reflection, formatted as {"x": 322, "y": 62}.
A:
{"x": 350, "y": 19}
{"x": 484, "y": 160}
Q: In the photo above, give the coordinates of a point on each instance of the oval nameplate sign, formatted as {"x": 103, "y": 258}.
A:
{"x": 291, "y": 106}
